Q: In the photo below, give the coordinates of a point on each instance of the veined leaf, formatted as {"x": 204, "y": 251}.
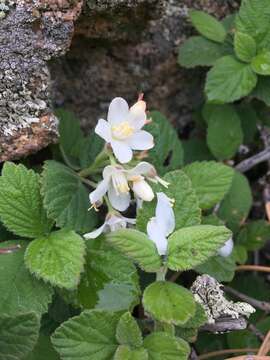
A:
{"x": 261, "y": 63}
{"x": 245, "y": 46}
{"x": 128, "y": 331}
{"x": 124, "y": 352}
{"x": 221, "y": 268}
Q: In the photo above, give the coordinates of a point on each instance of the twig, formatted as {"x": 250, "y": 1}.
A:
{"x": 256, "y": 332}
{"x": 262, "y": 305}
{"x": 225, "y": 352}
{"x": 253, "y": 268}
{"x": 249, "y": 357}
{"x": 175, "y": 276}
{"x": 193, "y": 355}
{"x": 254, "y": 160}
{"x": 222, "y": 325}
{"x": 265, "y": 347}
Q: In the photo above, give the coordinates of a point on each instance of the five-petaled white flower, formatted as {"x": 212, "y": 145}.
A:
{"x": 226, "y": 249}
{"x": 113, "y": 222}
{"x": 123, "y": 129}
{"x": 117, "y": 183}
{"x": 163, "y": 224}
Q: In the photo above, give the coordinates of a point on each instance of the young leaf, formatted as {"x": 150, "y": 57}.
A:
{"x": 162, "y": 346}
{"x": 261, "y": 63}
{"x": 189, "y": 247}
{"x": 221, "y": 268}
{"x": 18, "y": 335}
{"x": 168, "y": 153}
{"x": 124, "y": 352}
{"x": 211, "y": 181}
{"x": 198, "y": 51}
{"x": 57, "y": 258}
{"x": 244, "y": 46}
{"x": 186, "y": 207}
{"x": 168, "y": 302}
{"x": 229, "y": 80}
{"x": 91, "y": 335}
{"x": 21, "y": 208}
{"x": 224, "y": 132}
{"x": 110, "y": 280}
{"x": 137, "y": 247}
{"x": 128, "y": 331}
{"x": 21, "y": 292}
{"x": 254, "y": 235}
{"x": 261, "y": 91}
{"x": 208, "y": 26}
{"x": 66, "y": 199}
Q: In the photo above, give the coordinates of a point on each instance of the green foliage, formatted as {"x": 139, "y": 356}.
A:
{"x": 137, "y": 247}
{"x": 66, "y": 199}
{"x": 21, "y": 208}
{"x": 245, "y": 46}
{"x": 254, "y": 235}
{"x": 208, "y": 26}
{"x": 192, "y": 246}
{"x": 261, "y": 63}
{"x": 43, "y": 350}
{"x": 128, "y": 331}
{"x": 168, "y": 302}
{"x": 210, "y": 180}
{"x": 249, "y": 120}
{"x": 57, "y": 258}
{"x": 196, "y": 150}
{"x": 221, "y": 268}
{"x": 261, "y": 91}
{"x": 124, "y": 352}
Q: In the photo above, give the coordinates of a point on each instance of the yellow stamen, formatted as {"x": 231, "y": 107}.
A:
{"x": 122, "y": 131}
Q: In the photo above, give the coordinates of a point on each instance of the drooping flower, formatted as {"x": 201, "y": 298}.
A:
{"x": 122, "y": 130}
{"x": 163, "y": 224}
{"x": 114, "y": 221}
{"x": 226, "y": 249}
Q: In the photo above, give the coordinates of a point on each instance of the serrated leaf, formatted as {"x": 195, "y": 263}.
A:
{"x": 91, "y": 335}
{"x": 208, "y": 26}
{"x": 221, "y": 268}
{"x": 21, "y": 208}
{"x": 168, "y": 302}
{"x": 244, "y": 46}
{"x": 189, "y": 247}
{"x": 21, "y": 292}
{"x": 43, "y": 350}
{"x": 128, "y": 331}
{"x": 197, "y": 320}
{"x": 261, "y": 91}
{"x": 137, "y": 246}
{"x": 261, "y": 63}
{"x": 229, "y": 80}
{"x": 110, "y": 280}
{"x": 161, "y": 346}
{"x": 18, "y": 335}
{"x": 254, "y": 235}
{"x": 168, "y": 153}
{"x": 123, "y": 352}
{"x": 236, "y": 205}
{"x": 198, "y": 51}
{"x": 211, "y": 181}
{"x": 187, "y": 334}
{"x": 57, "y": 258}
{"x": 66, "y": 199}
{"x": 224, "y": 132}
{"x": 186, "y": 207}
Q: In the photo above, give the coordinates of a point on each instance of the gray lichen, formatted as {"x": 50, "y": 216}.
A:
{"x": 208, "y": 292}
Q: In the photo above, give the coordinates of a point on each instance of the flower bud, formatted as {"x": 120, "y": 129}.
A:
{"x": 226, "y": 249}
{"x": 142, "y": 189}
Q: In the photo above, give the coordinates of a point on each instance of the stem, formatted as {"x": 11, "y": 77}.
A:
{"x": 265, "y": 347}
{"x": 109, "y": 205}
{"x": 253, "y": 268}
{"x": 98, "y": 165}
{"x": 247, "y": 164}
{"x": 161, "y": 274}
{"x": 89, "y": 182}
{"x": 224, "y": 352}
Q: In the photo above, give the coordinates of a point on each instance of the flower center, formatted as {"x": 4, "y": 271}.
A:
{"x": 122, "y": 130}
{"x": 120, "y": 183}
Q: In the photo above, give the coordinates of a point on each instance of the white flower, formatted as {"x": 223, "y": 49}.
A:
{"x": 163, "y": 224}
{"x": 123, "y": 129}
{"x": 113, "y": 222}
{"x": 226, "y": 249}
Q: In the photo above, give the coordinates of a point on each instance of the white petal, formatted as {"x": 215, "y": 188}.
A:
{"x": 141, "y": 140}
{"x": 143, "y": 190}
{"x": 143, "y": 168}
{"x": 164, "y": 214}
{"x": 156, "y": 235}
{"x": 136, "y": 118}
{"x": 122, "y": 151}
{"x": 99, "y": 192}
{"x": 118, "y": 111}
{"x": 94, "y": 234}
{"x": 108, "y": 171}
{"x": 226, "y": 249}
{"x": 103, "y": 129}
{"x": 129, "y": 220}
{"x": 119, "y": 202}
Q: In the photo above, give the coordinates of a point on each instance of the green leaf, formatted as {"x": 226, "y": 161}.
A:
{"x": 188, "y": 334}
{"x": 198, "y": 51}
{"x": 224, "y": 133}
{"x": 128, "y": 331}
{"x": 57, "y": 258}
{"x": 125, "y": 353}
{"x": 240, "y": 254}
{"x": 244, "y": 46}
{"x": 211, "y": 181}
{"x": 192, "y": 246}
{"x": 18, "y": 335}
{"x": 261, "y": 63}
{"x": 91, "y": 335}
{"x": 197, "y": 320}
{"x": 236, "y": 205}
{"x": 208, "y": 26}
{"x": 162, "y": 346}
{"x": 196, "y": 150}
{"x": 43, "y": 350}
{"x": 249, "y": 120}
{"x": 21, "y": 292}
{"x": 254, "y": 235}
{"x": 91, "y": 147}
{"x": 168, "y": 302}
{"x": 110, "y": 280}
{"x": 137, "y": 247}
{"x": 229, "y": 80}
{"x": 221, "y": 268}
{"x": 66, "y": 199}
{"x": 261, "y": 91}
{"x": 168, "y": 153}
{"x": 186, "y": 207}
{"x": 21, "y": 208}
